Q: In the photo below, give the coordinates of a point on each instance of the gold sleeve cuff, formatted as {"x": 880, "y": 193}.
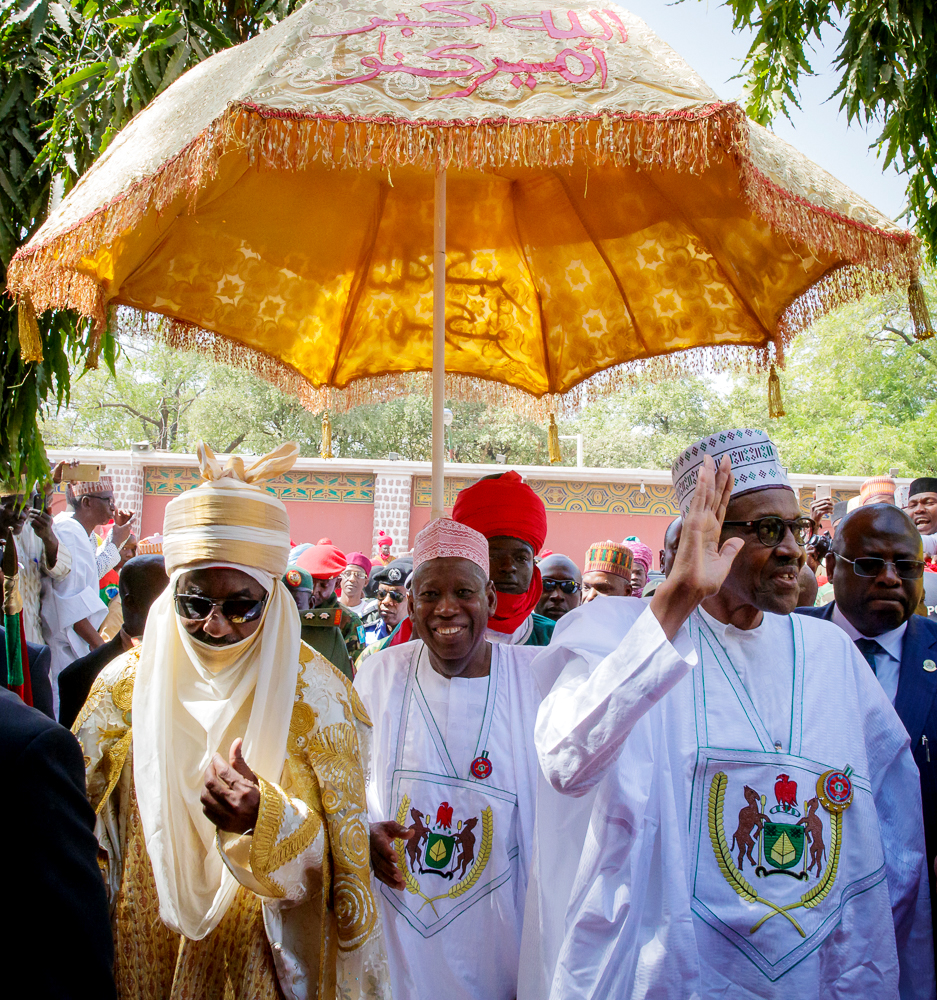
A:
{"x": 284, "y": 830}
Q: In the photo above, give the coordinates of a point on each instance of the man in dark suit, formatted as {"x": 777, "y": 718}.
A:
{"x": 142, "y": 580}
{"x": 57, "y": 933}
{"x": 876, "y": 568}
{"x": 40, "y": 659}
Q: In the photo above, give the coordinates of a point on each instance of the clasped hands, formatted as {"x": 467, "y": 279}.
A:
{"x": 231, "y": 795}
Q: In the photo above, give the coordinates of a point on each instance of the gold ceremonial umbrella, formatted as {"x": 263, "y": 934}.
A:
{"x": 542, "y": 199}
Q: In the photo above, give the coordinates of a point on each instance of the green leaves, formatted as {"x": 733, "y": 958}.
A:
{"x": 72, "y": 74}
{"x": 86, "y": 73}
{"x": 175, "y": 399}
{"x": 887, "y": 65}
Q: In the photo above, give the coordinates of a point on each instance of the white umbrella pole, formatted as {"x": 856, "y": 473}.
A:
{"x": 439, "y": 342}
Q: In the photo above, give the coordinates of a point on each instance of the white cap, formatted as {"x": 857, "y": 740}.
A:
{"x": 754, "y": 459}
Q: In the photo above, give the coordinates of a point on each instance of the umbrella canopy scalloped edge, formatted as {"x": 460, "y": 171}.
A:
{"x": 45, "y": 272}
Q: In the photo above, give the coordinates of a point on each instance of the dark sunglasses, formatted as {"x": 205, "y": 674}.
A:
{"x": 771, "y": 530}
{"x": 871, "y": 566}
{"x": 567, "y": 586}
{"x": 394, "y": 595}
{"x": 237, "y": 610}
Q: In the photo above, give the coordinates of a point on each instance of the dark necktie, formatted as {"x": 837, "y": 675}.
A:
{"x": 868, "y": 648}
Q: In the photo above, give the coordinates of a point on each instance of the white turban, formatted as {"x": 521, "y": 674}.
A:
{"x": 191, "y": 699}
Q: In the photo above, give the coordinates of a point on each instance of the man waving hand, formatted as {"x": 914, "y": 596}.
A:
{"x": 755, "y": 828}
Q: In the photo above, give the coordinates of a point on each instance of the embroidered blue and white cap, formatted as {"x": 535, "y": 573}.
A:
{"x": 754, "y": 459}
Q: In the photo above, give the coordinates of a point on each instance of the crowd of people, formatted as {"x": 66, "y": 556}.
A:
{"x": 482, "y": 770}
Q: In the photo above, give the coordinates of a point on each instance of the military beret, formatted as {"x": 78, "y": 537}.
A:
{"x": 297, "y": 578}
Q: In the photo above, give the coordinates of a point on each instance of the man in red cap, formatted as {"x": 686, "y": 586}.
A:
{"x": 384, "y": 543}
{"x": 513, "y": 519}
{"x": 324, "y": 563}
{"x": 354, "y": 579}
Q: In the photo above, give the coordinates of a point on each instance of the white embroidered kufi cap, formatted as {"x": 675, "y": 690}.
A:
{"x": 754, "y": 458}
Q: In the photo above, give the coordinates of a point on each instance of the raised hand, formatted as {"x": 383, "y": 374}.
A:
{"x": 701, "y": 564}
{"x": 122, "y": 526}
{"x": 384, "y": 859}
{"x": 41, "y": 521}
{"x": 821, "y": 510}
{"x": 57, "y": 471}
{"x": 231, "y": 796}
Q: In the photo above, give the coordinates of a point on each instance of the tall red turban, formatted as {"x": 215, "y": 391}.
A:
{"x": 507, "y": 506}
{"x": 503, "y": 506}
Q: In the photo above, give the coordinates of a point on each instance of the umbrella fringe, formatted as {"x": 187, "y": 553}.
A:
{"x": 53, "y": 273}
{"x": 824, "y": 231}
{"x": 684, "y": 140}
{"x": 688, "y": 141}
{"x": 463, "y": 388}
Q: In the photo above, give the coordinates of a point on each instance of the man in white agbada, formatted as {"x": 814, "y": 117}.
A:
{"x": 226, "y": 762}
{"x": 451, "y": 792}
{"x": 41, "y": 559}
{"x": 755, "y": 830}
{"x": 72, "y": 609}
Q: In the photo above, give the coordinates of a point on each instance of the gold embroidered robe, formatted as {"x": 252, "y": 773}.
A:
{"x": 303, "y": 924}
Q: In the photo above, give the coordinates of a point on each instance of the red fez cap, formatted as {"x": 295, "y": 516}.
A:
{"x": 323, "y": 560}
{"x": 361, "y": 560}
{"x": 503, "y": 506}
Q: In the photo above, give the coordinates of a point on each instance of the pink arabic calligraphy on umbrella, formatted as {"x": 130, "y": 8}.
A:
{"x": 523, "y": 73}
{"x": 465, "y": 19}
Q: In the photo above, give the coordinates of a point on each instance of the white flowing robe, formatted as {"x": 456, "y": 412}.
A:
{"x": 36, "y": 578}
{"x": 74, "y": 597}
{"x": 672, "y": 760}
{"x": 463, "y": 946}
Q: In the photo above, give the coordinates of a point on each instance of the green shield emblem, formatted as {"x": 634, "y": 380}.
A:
{"x": 438, "y": 850}
{"x": 783, "y": 844}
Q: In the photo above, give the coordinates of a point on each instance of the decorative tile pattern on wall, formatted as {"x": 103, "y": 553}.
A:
{"x": 589, "y": 498}
{"x": 423, "y": 490}
{"x": 318, "y": 486}
{"x": 807, "y": 493}
{"x": 605, "y": 498}
{"x": 169, "y": 482}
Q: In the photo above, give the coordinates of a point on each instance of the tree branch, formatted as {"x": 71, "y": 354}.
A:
{"x": 233, "y": 444}
{"x": 129, "y": 409}
{"x": 912, "y": 343}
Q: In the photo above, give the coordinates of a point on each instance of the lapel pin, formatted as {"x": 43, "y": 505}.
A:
{"x": 930, "y": 666}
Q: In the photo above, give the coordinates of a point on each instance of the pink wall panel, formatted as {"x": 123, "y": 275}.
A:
{"x": 572, "y": 533}
{"x": 347, "y": 524}
{"x": 419, "y": 519}
{"x": 151, "y": 522}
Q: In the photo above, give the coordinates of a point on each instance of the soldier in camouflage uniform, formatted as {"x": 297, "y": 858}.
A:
{"x": 324, "y": 562}
{"x": 321, "y": 629}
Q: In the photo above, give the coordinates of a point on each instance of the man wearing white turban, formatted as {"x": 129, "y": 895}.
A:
{"x": 224, "y": 883}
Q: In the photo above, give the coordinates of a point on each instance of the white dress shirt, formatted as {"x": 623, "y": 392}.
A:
{"x": 888, "y": 663}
